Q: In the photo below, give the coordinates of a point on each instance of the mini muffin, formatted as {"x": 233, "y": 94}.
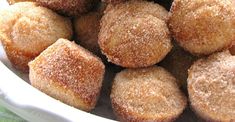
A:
{"x": 203, "y": 27}
{"x": 69, "y": 7}
{"x": 147, "y": 94}
{"x": 87, "y": 27}
{"x": 69, "y": 73}
{"x": 211, "y": 87}
{"x": 135, "y": 34}
{"x": 28, "y": 29}
{"x": 178, "y": 62}
{"x": 16, "y": 1}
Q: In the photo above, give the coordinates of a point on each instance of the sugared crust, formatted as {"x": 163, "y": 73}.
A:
{"x": 148, "y": 94}
{"x": 203, "y": 26}
{"x": 68, "y": 73}
{"x": 17, "y": 57}
{"x": 134, "y": 34}
{"x": 115, "y": 13}
{"x": 69, "y": 7}
{"x": 211, "y": 87}
{"x": 28, "y": 29}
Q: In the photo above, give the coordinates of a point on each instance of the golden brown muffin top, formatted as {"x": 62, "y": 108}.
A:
{"x": 150, "y": 93}
{"x": 212, "y": 86}
{"x": 203, "y": 26}
{"x": 69, "y": 7}
{"x": 32, "y": 28}
{"x": 134, "y": 34}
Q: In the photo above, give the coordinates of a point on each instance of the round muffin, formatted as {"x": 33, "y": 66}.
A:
{"x": 69, "y": 7}
{"x": 16, "y": 1}
{"x": 28, "y": 29}
{"x": 203, "y": 27}
{"x": 211, "y": 87}
{"x": 87, "y": 28}
{"x": 69, "y": 73}
{"x": 135, "y": 34}
{"x": 147, "y": 94}
{"x": 178, "y": 62}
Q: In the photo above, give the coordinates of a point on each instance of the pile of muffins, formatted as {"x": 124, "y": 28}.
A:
{"x": 171, "y": 57}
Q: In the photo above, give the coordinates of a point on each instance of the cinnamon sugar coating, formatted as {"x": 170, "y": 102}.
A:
{"x": 68, "y": 73}
{"x": 135, "y": 34}
{"x": 69, "y": 7}
{"x": 211, "y": 87}
{"x": 147, "y": 94}
{"x": 27, "y": 29}
{"x": 203, "y": 27}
